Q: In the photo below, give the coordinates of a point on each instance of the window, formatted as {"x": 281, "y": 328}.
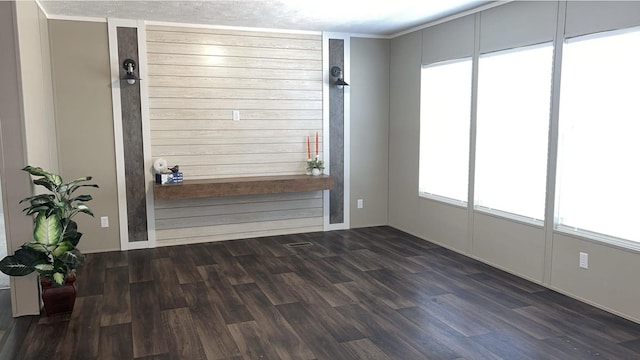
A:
{"x": 598, "y": 186}
{"x": 445, "y": 108}
{"x": 514, "y": 97}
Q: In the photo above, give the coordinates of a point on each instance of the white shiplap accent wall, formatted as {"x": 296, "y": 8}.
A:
{"x": 196, "y": 78}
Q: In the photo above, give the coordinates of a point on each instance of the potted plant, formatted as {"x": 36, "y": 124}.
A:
{"x": 52, "y": 253}
{"x": 315, "y": 166}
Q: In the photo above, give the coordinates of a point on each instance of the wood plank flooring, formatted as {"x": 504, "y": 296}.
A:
{"x": 374, "y": 293}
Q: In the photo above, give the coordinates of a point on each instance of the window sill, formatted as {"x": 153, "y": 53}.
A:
{"x": 509, "y": 216}
{"x": 601, "y": 239}
{"x": 444, "y": 200}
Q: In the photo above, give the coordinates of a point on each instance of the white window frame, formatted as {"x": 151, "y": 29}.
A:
{"x": 502, "y": 213}
{"x": 432, "y": 196}
{"x": 574, "y": 231}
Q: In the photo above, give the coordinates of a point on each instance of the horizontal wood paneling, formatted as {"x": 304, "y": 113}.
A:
{"x": 196, "y": 78}
{"x": 209, "y": 93}
{"x": 199, "y": 137}
{"x": 209, "y": 209}
{"x": 259, "y": 125}
{"x": 217, "y": 50}
{"x": 237, "y": 104}
{"x": 235, "y": 83}
{"x": 232, "y": 61}
{"x": 241, "y": 218}
{"x": 237, "y": 159}
{"x": 231, "y": 149}
{"x": 215, "y": 114}
{"x": 233, "y": 72}
{"x": 221, "y": 31}
{"x": 214, "y": 219}
{"x": 234, "y": 38}
{"x": 237, "y": 231}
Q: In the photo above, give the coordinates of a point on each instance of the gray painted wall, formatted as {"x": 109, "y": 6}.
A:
{"x": 404, "y": 131}
{"x": 84, "y": 121}
{"x": 611, "y": 280}
{"x": 369, "y": 131}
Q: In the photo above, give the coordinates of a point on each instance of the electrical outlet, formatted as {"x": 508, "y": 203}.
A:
{"x": 584, "y": 260}
{"x": 236, "y": 115}
{"x": 360, "y": 204}
{"x": 104, "y": 221}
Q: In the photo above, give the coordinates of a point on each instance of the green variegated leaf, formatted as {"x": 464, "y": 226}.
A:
{"x": 41, "y": 248}
{"x": 36, "y": 171}
{"x": 44, "y": 267}
{"x": 38, "y": 203}
{"x": 69, "y": 225}
{"x": 36, "y": 209}
{"x": 62, "y": 248}
{"x": 70, "y": 231}
{"x": 64, "y": 204}
{"x": 11, "y": 266}
{"x": 39, "y": 199}
{"x": 84, "y": 209}
{"x": 47, "y": 230}
{"x": 73, "y": 257}
{"x": 76, "y": 187}
{"x": 58, "y": 278}
{"x": 75, "y": 239}
{"x": 31, "y": 257}
{"x": 54, "y": 252}
{"x": 46, "y": 183}
{"x": 80, "y": 179}
{"x": 55, "y": 179}
{"x": 82, "y": 198}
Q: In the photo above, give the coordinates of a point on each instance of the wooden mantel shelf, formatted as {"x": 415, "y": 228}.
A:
{"x": 253, "y": 185}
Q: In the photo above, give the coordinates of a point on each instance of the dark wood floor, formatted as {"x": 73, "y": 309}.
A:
{"x": 374, "y": 293}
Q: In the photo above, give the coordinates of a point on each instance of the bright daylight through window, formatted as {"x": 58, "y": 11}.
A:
{"x": 514, "y": 97}
{"x": 445, "y": 109}
{"x": 599, "y": 172}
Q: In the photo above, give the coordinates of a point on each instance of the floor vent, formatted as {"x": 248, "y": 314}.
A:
{"x": 298, "y": 244}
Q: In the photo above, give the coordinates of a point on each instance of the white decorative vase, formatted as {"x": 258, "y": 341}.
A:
{"x": 316, "y": 172}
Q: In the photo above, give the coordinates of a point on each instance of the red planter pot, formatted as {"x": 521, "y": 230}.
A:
{"x": 58, "y": 299}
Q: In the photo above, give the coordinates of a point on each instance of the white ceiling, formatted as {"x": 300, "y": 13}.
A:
{"x": 375, "y": 17}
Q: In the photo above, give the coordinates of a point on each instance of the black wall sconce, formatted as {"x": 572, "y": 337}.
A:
{"x": 336, "y": 72}
{"x": 129, "y": 65}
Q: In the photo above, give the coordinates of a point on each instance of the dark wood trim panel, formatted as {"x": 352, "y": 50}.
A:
{"x": 132, "y": 140}
{"x": 336, "y": 134}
